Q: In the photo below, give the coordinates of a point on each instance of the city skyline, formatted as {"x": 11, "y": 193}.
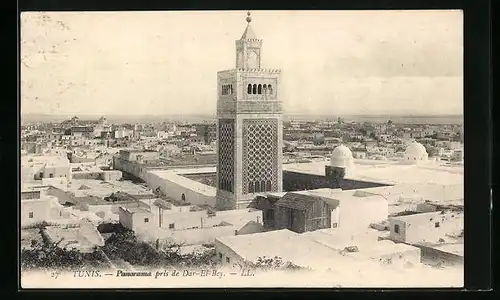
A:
{"x": 68, "y": 66}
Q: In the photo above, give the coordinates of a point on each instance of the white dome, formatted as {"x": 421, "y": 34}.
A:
{"x": 341, "y": 157}
{"x": 416, "y": 151}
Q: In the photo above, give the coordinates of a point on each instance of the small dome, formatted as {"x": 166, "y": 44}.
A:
{"x": 416, "y": 151}
{"x": 341, "y": 157}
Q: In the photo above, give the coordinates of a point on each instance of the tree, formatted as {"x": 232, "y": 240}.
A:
{"x": 265, "y": 263}
{"x": 49, "y": 255}
{"x": 432, "y": 151}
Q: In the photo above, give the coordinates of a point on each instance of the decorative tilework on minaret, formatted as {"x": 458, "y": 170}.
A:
{"x": 249, "y": 127}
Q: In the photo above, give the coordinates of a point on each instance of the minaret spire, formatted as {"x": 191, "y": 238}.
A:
{"x": 248, "y": 33}
{"x": 249, "y": 18}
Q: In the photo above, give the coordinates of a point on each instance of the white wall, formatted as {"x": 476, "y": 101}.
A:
{"x": 40, "y": 210}
{"x": 188, "y": 237}
{"x": 335, "y": 216}
{"x": 112, "y": 175}
{"x": 422, "y": 227}
{"x": 236, "y": 217}
{"x": 175, "y": 191}
{"x": 358, "y": 214}
{"x": 223, "y": 252}
{"x": 44, "y": 209}
{"x": 183, "y": 220}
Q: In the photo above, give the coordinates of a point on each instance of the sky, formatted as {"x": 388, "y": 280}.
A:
{"x": 166, "y": 63}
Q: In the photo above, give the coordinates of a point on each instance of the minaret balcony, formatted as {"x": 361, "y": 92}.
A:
{"x": 250, "y": 107}
{"x": 257, "y": 97}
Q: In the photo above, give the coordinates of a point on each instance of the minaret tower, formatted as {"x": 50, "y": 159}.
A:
{"x": 249, "y": 127}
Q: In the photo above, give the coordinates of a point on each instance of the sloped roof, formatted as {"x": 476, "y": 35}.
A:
{"x": 248, "y": 34}
{"x": 301, "y": 201}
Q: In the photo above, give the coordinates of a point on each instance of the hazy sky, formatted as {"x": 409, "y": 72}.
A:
{"x": 332, "y": 62}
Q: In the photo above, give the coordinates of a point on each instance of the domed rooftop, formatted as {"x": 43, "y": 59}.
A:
{"x": 341, "y": 151}
{"x": 341, "y": 157}
{"x": 416, "y": 151}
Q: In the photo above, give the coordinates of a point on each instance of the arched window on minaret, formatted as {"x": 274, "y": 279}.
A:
{"x": 268, "y": 186}
{"x": 259, "y": 89}
{"x": 257, "y": 187}
{"x": 249, "y": 89}
{"x": 265, "y": 89}
{"x": 250, "y": 187}
{"x": 269, "y": 89}
{"x": 254, "y": 89}
{"x": 230, "y": 89}
{"x": 263, "y": 186}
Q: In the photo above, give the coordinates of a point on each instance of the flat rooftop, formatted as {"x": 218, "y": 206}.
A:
{"x": 105, "y": 188}
{"x": 457, "y": 249}
{"x": 341, "y": 195}
{"x": 185, "y": 182}
{"x": 451, "y": 194}
{"x": 388, "y": 172}
{"x": 366, "y": 241}
{"x": 288, "y": 245}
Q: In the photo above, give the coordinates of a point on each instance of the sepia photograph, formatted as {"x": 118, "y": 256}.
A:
{"x": 241, "y": 149}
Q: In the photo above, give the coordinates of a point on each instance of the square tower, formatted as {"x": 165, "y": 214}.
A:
{"x": 249, "y": 128}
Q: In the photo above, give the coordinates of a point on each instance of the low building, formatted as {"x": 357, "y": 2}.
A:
{"x": 367, "y": 245}
{"x": 135, "y": 218}
{"x": 180, "y": 188}
{"x": 82, "y": 236}
{"x": 323, "y": 208}
{"x": 425, "y": 227}
{"x": 37, "y": 207}
{"x": 37, "y": 167}
{"x": 300, "y": 213}
{"x": 91, "y": 171}
{"x": 285, "y": 244}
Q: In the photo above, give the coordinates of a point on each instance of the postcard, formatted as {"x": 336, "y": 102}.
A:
{"x": 193, "y": 149}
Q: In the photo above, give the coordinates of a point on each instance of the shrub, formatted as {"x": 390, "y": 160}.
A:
{"x": 269, "y": 264}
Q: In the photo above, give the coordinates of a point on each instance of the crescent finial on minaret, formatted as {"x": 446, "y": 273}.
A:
{"x": 249, "y": 19}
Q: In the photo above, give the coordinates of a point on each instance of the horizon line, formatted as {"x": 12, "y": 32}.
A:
{"x": 214, "y": 114}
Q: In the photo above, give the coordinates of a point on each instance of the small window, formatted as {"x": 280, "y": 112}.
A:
{"x": 51, "y": 175}
{"x": 183, "y": 197}
{"x": 257, "y": 187}
{"x": 334, "y": 225}
{"x": 249, "y": 89}
{"x": 396, "y": 229}
{"x": 227, "y": 260}
{"x": 436, "y": 225}
{"x": 220, "y": 256}
{"x": 254, "y": 89}
{"x": 30, "y": 215}
{"x": 251, "y": 187}
{"x": 171, "y": 226}
{"x": 259, "y": 89}
{"x": 268, "y": 186}
{"x": 146, "y": 220}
